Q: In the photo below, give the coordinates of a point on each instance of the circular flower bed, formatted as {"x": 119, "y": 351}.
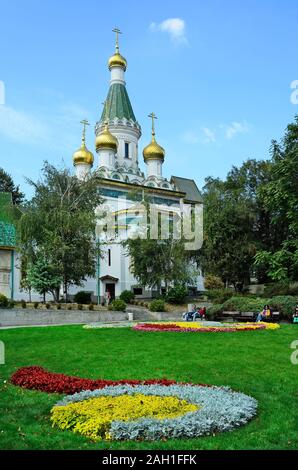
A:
{"x": 153, "y": 412}
{"x": 198, "y": 328}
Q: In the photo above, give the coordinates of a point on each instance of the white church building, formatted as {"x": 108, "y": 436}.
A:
{"x": 117, "y": 134}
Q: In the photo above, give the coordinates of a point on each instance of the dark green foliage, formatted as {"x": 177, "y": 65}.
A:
{"x": 285, "y": 304}
{"x": 7, "y": 186}
{"x": 48, "y": 306}
{"x": 82, "y": 297}
{"x": 157, "y": 306}
{"x": 59, "y": 225}
{"x": 91, "y": 307}
{"x": 3, "y": 301}
{"x": 58, "y": 306}
{"x": 118, "y": 305}
{"x": 35, "y": 305}
{"x": 219, "y": 296}
{"x": 23, "y": 304}
{"x": 177, "y": 294}
{"x": 127, "y": 296}
{"x": 80, "y": 307}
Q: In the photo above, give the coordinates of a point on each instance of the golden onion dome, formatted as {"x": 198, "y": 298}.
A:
{"x": 117, "y": 60}
{"x": 106, "y": 140}
{"x": 83, "y": 155}
{"x": 153, "y": 151}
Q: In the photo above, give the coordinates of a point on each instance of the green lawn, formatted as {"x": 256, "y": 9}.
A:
{"x": 256, "y": 363}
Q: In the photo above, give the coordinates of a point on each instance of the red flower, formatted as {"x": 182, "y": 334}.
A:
{"x": 37, "y": 378}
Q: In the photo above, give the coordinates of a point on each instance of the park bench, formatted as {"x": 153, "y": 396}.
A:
{"x": 246, "y": 316}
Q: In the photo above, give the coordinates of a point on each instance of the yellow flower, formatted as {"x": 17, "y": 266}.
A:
{"x": 93, "y": 417}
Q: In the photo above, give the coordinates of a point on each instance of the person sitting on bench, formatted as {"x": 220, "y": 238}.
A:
{"x": 190, "y": 316}
{"x": 295, "y": 315}
{"x": 265, "y": 314}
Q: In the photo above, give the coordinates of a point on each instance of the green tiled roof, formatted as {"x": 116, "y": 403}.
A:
{"x": 119, "y": 104}
{"x": 7, "y": 228}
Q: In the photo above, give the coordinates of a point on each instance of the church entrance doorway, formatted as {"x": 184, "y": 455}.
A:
{"x": 111, "y": 289}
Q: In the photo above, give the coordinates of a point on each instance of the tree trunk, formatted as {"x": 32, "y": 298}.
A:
{"x": 44, "y": 297}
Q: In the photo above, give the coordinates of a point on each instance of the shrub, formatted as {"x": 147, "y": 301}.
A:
{"x": 58, "y": 306}
{"x": 69, "y": 307}
{"x": 127, "y": 296}
{"x": 11, "y": 304}
{"x": 82, "y": 297}
{"x": 276, "y": 288}
{"x": 23, "y": 304}
{"x": 157, "y": 306}
{"x": 211, "y": 312}
{"x": 244, "y": 304}
{"x": 213, "y": 282}
{"x": 80, "y": 307}
{"x": 3, "y": 301}
{"x": 118, "y": 305}
{"x": 36, "y": 304}
{"x": 91, "y": 307}
{"x": 48, "y": 306}
{"x": 219, "y": 296}
{"x": 293, "y": 289}
{"x": 285, "y": 304}
{"x": 177, "y": 294}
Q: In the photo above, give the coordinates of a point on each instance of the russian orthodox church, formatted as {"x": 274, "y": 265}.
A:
{"x": 117, "y": 134}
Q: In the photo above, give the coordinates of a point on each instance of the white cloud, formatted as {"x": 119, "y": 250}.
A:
{"x": 175, "y": 27}
{"x": 209, "y": 135}
{"x": 205, "y": 136}
{"x": 236, "y": 128}
{"x": 190, "y": 137}
{"x": 22, "y": 127}
{"x": 58, "y": 130}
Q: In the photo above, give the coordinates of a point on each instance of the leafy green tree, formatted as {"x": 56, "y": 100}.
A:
{"x": 44, "y": 277}
{"x": 228, "y": 247}
{"x": 7, "y": 186}
{"x": 281, "y": 198}
{"x": 59, "y": 225}
{"x": 160, "y": 262}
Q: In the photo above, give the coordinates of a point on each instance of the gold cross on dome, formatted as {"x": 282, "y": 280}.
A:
{"x": 152, "y": 116}
{"x": 85, "y": 123}
{"x": 117, "y": 31}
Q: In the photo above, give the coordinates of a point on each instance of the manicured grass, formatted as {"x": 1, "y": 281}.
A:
{"x": 256, "y": 363}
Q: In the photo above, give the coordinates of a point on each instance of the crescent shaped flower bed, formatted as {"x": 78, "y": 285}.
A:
{"x": 153, "y": 412}
{"x": 194, "y": 327}
{"x": 37, "y": 378}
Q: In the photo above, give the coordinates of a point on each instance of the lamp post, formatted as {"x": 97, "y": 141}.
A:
{"x": 98, "y": 271}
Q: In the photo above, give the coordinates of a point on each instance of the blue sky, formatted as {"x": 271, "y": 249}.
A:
{"x": 217, "y": 73}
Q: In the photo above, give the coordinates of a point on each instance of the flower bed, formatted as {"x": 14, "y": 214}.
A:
{"x": 153, "y": 412}
{"x": 198, "y": 328}
{"x": 93, "y": 417}
{"x": 37, "y": 378}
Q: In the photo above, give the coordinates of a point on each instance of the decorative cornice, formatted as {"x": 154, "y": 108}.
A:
{"x": 126, "y": 185}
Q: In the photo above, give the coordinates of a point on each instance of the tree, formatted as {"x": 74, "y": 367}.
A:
{"x": 228, "y": 247}
{"x": 58, "y": 225}
{"x": 44, "y": 277}
{"x": 160, "y": 262}
{"x": 7, "y": 186}
{"x": 281, "y": 199}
